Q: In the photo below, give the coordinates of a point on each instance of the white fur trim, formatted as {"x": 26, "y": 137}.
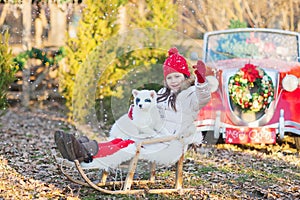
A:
{"x": 165, "y": 153}
{"x": 112, "y": 161}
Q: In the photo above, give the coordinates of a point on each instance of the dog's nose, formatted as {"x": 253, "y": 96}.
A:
{"x": 140, "y": 106}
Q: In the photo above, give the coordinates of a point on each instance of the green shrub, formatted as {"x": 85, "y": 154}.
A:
{"x": 100, "y": 62}
{"x": 98, "y": 22}
{"x": 7, "y": 70}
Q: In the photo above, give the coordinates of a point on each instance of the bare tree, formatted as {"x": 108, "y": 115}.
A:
{"x": 199, "y": 16}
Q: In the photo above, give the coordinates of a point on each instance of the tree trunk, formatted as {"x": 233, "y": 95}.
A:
{"x": 40, "y": 23}
{"x": 38, "y": 32}
{"x": 123, "y": 19}
{"x": 25, "y": 84}
{"x": 26, "y": 43}
{"x": 4, "y": 13}
{"x": 26, "y": 11}
{"x": 58, "y": 23}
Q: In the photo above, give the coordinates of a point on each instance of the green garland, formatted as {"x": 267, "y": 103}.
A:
{"x": 22, "y": 58}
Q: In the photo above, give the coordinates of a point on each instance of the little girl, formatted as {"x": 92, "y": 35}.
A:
{"x": 179, "y": 103}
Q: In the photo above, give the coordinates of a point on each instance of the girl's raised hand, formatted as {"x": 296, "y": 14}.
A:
{"x": 200, "y": 71}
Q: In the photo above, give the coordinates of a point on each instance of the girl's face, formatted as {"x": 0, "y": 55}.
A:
{"x": 174, "y": 81}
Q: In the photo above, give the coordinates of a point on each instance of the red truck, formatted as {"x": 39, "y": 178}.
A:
{"x": 254, "y": 75}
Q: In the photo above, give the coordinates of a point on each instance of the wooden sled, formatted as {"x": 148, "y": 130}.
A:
{"x": 126, "y": 187}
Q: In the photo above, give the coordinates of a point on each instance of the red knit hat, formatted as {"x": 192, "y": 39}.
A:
{"x": 175, "y": 63}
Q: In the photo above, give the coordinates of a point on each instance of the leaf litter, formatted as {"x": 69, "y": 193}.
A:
{"x": 28, "y": 170}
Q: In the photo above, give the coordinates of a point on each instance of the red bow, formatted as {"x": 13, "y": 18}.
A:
{"x": 250, "y": 72}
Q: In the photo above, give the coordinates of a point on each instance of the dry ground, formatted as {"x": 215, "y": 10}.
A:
{"x": 28, "y": 170}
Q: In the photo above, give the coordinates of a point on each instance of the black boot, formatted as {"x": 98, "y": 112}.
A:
{"x": 83, "y": 139}
{"x": 81, "y": 149}
{"x": 92, "y": 148}
{"x": 74, "y": 148}
{"x": 58, "y": 137}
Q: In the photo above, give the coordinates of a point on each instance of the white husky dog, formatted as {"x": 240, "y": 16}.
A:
{"x": 145, "y": 122}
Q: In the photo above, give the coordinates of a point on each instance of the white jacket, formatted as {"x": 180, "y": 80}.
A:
{"x": 188, "y": 104}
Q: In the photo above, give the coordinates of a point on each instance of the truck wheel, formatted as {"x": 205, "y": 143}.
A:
{"x": 297, "y": 142}
{"x": 208, "y": 138}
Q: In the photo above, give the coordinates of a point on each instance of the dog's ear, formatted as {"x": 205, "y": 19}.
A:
{"x": 153, "y": 94}
{"x": 135, "y": 92}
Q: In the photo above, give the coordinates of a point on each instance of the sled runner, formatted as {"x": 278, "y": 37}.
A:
{"x": 129, "y": 185}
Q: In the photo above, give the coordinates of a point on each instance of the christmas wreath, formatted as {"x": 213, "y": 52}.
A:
{"x": 251, "y": 89}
